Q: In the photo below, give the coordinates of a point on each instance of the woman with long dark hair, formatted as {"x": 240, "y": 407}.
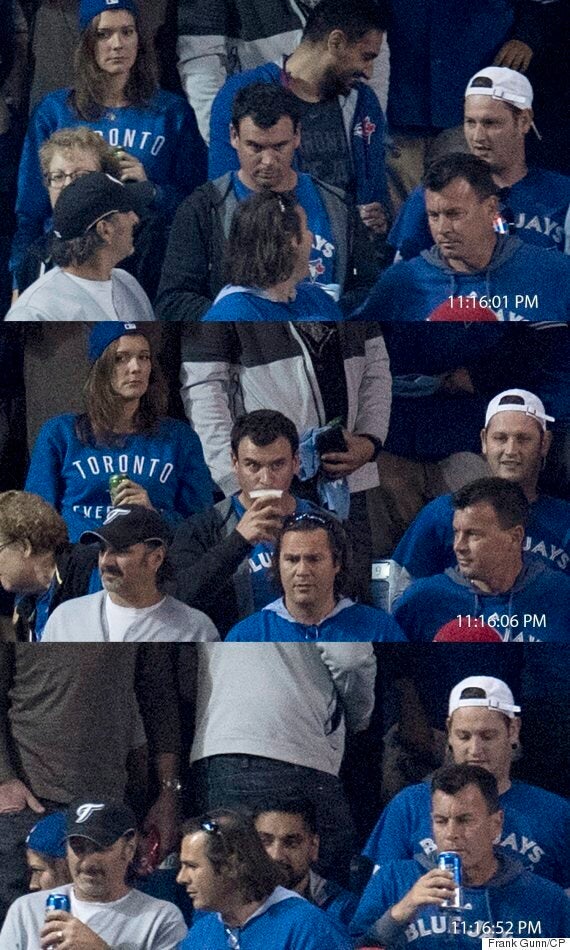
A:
{"x": 115, "y": 93}
{"x": 158, "y": 462}
{"x": 267, "y": 265}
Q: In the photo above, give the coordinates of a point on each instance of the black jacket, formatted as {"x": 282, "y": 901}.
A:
{"x": 212, "y": 571}
{"x": 192, "y": 273}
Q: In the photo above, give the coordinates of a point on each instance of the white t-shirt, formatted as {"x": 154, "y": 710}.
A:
{"x": 101, "y": 291}
{"x": 120, "y": 619}
{"x": 135, "y": 922}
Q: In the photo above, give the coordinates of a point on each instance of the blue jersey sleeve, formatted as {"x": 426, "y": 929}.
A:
{"x": 427, "y": 546}
{"x": 33, "y": 207}
{"x": 46, "y": 464}
{"x": 189, "y": 160}
{"x": 195, "y": 486}
{"x": 402, "y": 827}
{"x": 410, "y": 233}
{"x": 222, "y": 157}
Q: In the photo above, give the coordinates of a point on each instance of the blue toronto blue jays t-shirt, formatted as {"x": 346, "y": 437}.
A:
{"x": 323, "y": 253}
{"x": 538, "y": 204}
{"x": 536, "y": 829}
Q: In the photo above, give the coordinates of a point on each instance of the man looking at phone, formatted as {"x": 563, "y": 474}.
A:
{"x": 223, "y": 555}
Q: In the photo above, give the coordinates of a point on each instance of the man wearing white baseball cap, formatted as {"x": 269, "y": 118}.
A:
{"x": 483, "y": 729}
{"x": 515, "y": 442}
{"x": 534, "y": 201}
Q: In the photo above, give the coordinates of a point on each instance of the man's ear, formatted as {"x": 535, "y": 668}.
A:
{"x": 157, "y": 556}
{"x": 525, "y": 119}
{"x": 336, "y": 42}
{"x": 545, "y": 443}
{"x": 515, "y": 730}
{"x": 104, "y": 230}
{"x": 234, "y": 136}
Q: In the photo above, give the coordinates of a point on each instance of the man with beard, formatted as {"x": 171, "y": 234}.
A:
{"x": 104, "y": 910}
{"x": 132, "y": 607}
{"x": 342, "y": 122}
{"x": 288, "y": 832}
{"x": 265, "y": 133}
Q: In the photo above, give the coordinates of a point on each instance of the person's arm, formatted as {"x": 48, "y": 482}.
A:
{"x": 530, "y": 30}
{"x": 222, "y": 157}
{"x": 184, "y": 291}
{"x": 155, "y": 686}
{"x": 32, "y": 202}
{"x": 14, "y": 794}
{"x": 195, "y": 487}
{"x": 44, "y": 473}
{"x": 373, "y": 402}
{"x": 370, "y": 159}
{"x": 353, "y": 670}
{"x": 375, "y": 391}
{"x": 201, "y": 558}
{"x": 209, "y": 353}
{"x": 202, "y": 54}
{"x": 383, "y": 916}
{"x": 190, "y": 158}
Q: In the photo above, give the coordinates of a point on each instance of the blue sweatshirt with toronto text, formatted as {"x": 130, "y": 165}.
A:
{"x": 163, "y": 135}
{"x": 74, "y": 477}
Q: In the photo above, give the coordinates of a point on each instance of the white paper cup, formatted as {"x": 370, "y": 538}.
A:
{"x": 266, "y": 493}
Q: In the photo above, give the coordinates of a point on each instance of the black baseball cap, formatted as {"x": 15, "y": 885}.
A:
{"x": 130, "y": 524}
{"x": 92, "y": 197}
{"x": 100, "y": 822}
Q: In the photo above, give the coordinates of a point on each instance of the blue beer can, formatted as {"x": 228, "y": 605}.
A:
{"x": 58, "y": 902}
{"x": 451, "y": 861}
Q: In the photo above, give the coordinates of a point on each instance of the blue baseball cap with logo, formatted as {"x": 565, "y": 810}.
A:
{"x": 92, "y": 8}
{"x": 105, "y": 332}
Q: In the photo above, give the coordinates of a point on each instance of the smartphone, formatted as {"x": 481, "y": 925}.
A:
{"x": 331, "y": 440}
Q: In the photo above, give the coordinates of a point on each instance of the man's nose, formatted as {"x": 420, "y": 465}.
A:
{"x": 474, "y": 746}
{"x": 459, "y": 542}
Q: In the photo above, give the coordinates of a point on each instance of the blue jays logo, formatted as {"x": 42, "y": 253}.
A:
{"x": 365, "y": 129}
{"x": 84, "y": 812}
{"x": 316, "y": 268}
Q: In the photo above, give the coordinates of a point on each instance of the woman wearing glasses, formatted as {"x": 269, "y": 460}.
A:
{"x": 153, "y": 132}
{"x": 69, "y": 154}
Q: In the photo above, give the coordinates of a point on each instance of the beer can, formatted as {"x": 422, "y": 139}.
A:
{"x": 58, "y": 902}
{"x": 114, "y": 482}
{"x": 451, "y": 861}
